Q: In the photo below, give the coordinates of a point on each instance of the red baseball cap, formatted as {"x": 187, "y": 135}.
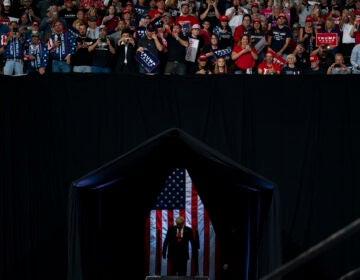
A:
{"x": 223, "y": 18}
{"x": 202, "y": 57}
{"x": 309, "y": 18}
{"x": 282, "y": 15}
{"x": 314, "y": 58}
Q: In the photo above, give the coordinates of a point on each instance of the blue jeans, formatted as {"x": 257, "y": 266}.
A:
{"x": 82, "y": 69}
{"x": 12, "y": 66}
{"x": 97, "y": 69}
{"x": 60, "y": 67}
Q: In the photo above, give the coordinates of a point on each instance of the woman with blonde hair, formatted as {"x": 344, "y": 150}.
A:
{"x": 244, "y": 56}
{"x": 220, "y": 66}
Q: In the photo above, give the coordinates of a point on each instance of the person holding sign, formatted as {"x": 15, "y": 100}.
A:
{"x": 151, "y": 45}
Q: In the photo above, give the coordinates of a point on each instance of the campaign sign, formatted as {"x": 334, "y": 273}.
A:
{"x": 326, "y": 39}
{"x": 223, "y": 52}
{"x": 147, "y": 60}
{"x": 279, "y": 60}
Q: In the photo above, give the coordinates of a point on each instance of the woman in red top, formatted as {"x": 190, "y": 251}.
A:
{"x": 244, "y": 56}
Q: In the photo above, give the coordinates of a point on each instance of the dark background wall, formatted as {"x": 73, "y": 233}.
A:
{"x": 302, "y": 132}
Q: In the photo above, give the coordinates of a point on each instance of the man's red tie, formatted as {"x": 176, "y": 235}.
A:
{"x": 179, "y": 236}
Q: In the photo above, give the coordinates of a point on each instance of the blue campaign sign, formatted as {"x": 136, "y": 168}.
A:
{"x": 147, "y": 60}
{"x": 222, "y": 52}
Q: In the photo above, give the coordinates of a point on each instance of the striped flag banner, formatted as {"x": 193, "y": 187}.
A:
{"x": 180, "y": 198}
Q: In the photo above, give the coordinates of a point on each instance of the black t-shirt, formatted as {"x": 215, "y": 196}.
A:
{"x": 102, "y": 55}
{"x": 176, "y": 51}
{"x": 82, "y": 57}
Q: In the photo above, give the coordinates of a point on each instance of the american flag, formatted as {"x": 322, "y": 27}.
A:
{"x": 180, "y": 198}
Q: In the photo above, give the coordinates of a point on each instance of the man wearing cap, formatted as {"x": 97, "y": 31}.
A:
{"x": 185, "y": 19}
{"x": 224, "y": 33}
{"x": 153, "y": 44}
{"x": 103, "y": 52}
{"x": 314, "y": 68}
{"x": 176, "y": 50}
{"x": 36, "y": 54}
{"x": 302, "y": 57}
{"x": 92, "y": 30}
{"x": 280, "y": 37}
{"x": 196, "y": 45}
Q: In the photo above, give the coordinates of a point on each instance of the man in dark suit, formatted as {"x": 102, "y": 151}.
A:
{"x": 125, "y": 54}
{"x": 177, "y": 242}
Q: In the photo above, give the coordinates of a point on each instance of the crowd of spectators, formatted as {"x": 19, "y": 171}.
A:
{"x": 173, "y": 37}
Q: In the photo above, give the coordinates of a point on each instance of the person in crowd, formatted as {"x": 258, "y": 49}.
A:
{"x": 176, "y": 50}
{"x": 130, "y": 20}
{"x": 172, "y": 7}
{"x": 347, "y": 27}
{"x": 185, "y": 19}
{"x": 209, "y": 11}
{"x": 330, "y": 28}
{"x": 339, "y": 66}
{"x": 69, "y": 12}
{"x": 267, "y": 11}
{"x": 176, "y": 247}
{"x": 290, "y": 67}
{"x": 196, "y": 45}
{"x": 235, "y": 14}
{"x": 13, "y": 45}
{"x": 43, "y": 7}
{"x": 30, "y": 10}
{"x": 153, "y": 44}
{"x": 61, "y": 46}
{"x": 205, "y": 32}
{"x": 92, "y": 30}
{"x": 268, "y": 67}
{"x": 125, "y": 53}
{"x": 98, "y": 5}
{"x": 303, "y": 9}
{"x": 224, "y": 33}
{"x": 314, "y": 68}
{"x": 209, "y": 49}
{"x": 280, "y": 37}
{"x": 255, "y": 10}
{"x": 157, "y": 13}
{"x": 115, "y": 36}
{"x": 110, "y": 20}
{"x": 244, "y": 56}
{"x": 257, "y": 36}
{"x": 244, "y": 28}
{"x": 307, "y": 35}
{"x": 92, "y": 12}
{"x": 36, "y": 54}
{"x": 221, "y": 66}
{"x": 103, "y": 52}
{"x": 273, "y": 18}
{"x": 202, "y": 67}
{"x": 82, "y": 59}
{"x": 49, "y": 20}
{"x": 355, "y": 59}
{"x": 302, "y": 58}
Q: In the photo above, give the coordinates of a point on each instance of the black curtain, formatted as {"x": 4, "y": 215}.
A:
{"x": 300, "y": 132}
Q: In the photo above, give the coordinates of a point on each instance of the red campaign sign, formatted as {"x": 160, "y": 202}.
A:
{"x": 326, "y": 39}
{"x": 279, "y": 60}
